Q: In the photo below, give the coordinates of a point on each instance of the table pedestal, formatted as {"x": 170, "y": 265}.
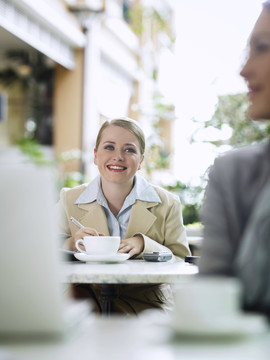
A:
{"x": 107, "y": 296}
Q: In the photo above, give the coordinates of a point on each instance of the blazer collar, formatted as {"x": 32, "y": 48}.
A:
{"x": 94, "y": 217}
{"x": 143, "y": 191}
{"x": 141, "y": 219}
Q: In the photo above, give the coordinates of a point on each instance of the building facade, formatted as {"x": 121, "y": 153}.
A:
{"x": 66, "y": 66}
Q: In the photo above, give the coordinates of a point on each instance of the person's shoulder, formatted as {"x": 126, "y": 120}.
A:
{"x": 72, "y": 193}
{"x": 245, "y": 152}
{"x": 241, "y": 165}
{"x": 164, "y": 194}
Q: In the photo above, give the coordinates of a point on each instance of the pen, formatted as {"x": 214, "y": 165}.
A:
{"x": 76, "y": 222}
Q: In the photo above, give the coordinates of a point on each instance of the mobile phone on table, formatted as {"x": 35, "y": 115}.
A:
{"x": 158, "y": 256}
{"x": 192, "y": 259}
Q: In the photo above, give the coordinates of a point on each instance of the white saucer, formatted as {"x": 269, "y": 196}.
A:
{"x": 119, "y": 257}
{"x": 239, "y": 325}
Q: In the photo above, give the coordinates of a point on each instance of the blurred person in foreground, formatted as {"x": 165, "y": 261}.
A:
{"x": 236, "y": 212}
{"x": 119, "y": 202}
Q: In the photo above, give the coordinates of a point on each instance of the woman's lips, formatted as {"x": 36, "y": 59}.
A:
{"x": 116, "y": 168}
{"x": 253, "y": 91}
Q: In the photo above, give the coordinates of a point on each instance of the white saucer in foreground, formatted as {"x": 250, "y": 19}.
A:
{"x": 240, "y": 325}
{"x": 119, "y": 257}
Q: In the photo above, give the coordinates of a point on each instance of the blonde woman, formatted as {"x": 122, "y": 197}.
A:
{"x": 121, "y": 202}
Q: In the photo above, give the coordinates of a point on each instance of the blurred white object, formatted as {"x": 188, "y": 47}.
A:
{"x": 31, "y": 297}
{"x": 211, "y": 306}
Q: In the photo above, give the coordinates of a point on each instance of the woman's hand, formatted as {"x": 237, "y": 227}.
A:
{"x": 85, "y": 231}
{"x": 133, "y": 246}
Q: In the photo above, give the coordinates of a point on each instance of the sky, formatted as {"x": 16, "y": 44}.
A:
{"x": 210, "y": 48}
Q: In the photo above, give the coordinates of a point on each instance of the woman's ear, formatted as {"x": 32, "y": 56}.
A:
{"x": 95, "y": 156}
{"x": 139, "y": 168}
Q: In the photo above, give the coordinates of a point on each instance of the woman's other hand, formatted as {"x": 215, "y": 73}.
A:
{"x": 132, "y": 246}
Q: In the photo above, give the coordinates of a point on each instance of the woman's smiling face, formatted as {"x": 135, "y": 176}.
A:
{"x": 118, "y": 155}
{"x": 257, "y": 68}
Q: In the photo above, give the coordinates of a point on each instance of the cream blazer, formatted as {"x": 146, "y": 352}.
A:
{"x": 160, "y": 224}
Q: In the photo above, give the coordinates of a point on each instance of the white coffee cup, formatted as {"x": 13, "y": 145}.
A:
{"x": 205, "y": 301}
{"x": 99, "y": 245}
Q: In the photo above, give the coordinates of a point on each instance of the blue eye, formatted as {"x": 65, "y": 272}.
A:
{"x": 109, "y": 147}
{"x": 131, "y": 150}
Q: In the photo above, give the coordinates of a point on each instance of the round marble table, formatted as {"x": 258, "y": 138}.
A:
{"x": 127, "y": 272}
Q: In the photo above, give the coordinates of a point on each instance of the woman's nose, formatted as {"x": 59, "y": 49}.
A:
{"x": 246, "y": 69}
{"x": 243, "y": 71}
{"x": 118, "y": 155}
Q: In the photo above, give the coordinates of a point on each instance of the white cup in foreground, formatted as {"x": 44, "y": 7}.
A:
{"x": 99, "y": 245}
{"x": 205, "y": 301}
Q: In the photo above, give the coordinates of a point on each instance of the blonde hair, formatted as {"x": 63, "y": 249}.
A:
{"x": 128, "y": 124}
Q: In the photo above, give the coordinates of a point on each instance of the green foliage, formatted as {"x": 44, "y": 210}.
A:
{"x": 156, "y": 158}
{"x": 32, "y": 149}
{"x": 177, "y": 186}
{"x": 232, "y": 110}
{"x": 191, "y": 213}
{"x": 157, "y": 155}
{"x": 159, "y": 19}
{"x": 162, "y": 110}
{"x": 138, "y": 15}
{"x": 73, "y": 179}
{"x": 135, "y": 16}
{"x": 194, "y": 225}
{"x": 188, "y": 194}
{"x": 191, "y": 198}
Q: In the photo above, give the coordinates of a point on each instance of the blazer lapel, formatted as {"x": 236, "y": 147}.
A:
{"x": 140, "y": 218}
{"x": 94, "y": 217}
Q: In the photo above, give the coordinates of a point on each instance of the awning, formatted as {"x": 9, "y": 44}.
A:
{"x": 45, "y": 28}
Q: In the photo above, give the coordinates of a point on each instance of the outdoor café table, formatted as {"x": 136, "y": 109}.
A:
{"x": 127, "y": 272}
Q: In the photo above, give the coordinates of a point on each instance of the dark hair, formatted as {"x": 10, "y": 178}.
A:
{"x": 128, "y": 124}
{"x": 266, "y": 5}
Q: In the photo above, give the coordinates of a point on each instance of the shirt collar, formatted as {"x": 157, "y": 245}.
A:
{"x": 90, "y": 193}
{"x": 142, "y": 190}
